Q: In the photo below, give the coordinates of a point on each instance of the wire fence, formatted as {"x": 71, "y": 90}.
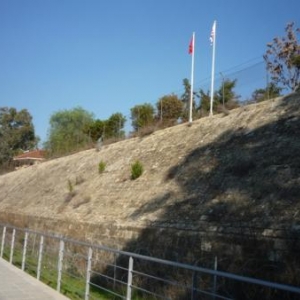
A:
{"x": 249, "y": 76}
{"x": 248, "y": 79}
{"x": 85, "y": 271}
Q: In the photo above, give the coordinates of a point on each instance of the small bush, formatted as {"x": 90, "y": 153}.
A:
{"x": 72, "y": 192}
{"x": 136, "y": 170}
{"x": 70, "y": 186}
{"x": 101, "y": 167}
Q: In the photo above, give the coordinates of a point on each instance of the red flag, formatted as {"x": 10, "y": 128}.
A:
{"x": 191, "y": 46}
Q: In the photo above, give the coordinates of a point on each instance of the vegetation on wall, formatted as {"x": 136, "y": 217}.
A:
{"x": 16, "y": 133}
{"x": 101, "y": 167}
{"x": 142, "y": 116}
{"x": 283, "y": 58}
{"x": 137, "y": 170}
{"x": 66, "y": 132}
{"x": 169, "y": 109}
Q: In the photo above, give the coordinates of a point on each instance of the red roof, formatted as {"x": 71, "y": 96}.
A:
{"x": 31, "y": 155}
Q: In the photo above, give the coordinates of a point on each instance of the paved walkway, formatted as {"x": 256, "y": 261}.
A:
{"x": 18, "y": 285}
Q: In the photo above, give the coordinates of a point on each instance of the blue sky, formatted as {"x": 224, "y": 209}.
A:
{"x": 107, "y": 56}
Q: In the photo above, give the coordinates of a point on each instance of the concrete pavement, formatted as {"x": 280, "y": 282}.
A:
{"x": 18, "y": 285}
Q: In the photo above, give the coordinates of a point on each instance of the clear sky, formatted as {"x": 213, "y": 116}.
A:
{"x": 107, "y": 56}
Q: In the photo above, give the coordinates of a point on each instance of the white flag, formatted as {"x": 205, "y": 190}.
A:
{"x": 213, "y": 33}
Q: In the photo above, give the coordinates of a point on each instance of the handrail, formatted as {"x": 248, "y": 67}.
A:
{"x": 132, "y": 257}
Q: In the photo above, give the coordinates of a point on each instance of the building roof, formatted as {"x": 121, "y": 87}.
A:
{"x": 31, "y": 155}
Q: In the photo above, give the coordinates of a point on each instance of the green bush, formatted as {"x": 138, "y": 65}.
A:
{"x": 72, "y": 193}
{"x": 70, "y": 186}
{"x": 136, "y": 170}
{"x": 101, "y": 166}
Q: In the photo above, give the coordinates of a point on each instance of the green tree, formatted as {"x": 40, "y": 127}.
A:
{"x": 185, "y": 98}
{"x": 142, "y": 116}
{"x": 169, "y": 109}
{"x": 283, "y": 58}
{"x": 111, "y": 128}
{"x": 204, "y": 105}
{"x": 270, "y": 92}
{"x": 16, "y": 133}
{"x": 225, "y": 92}
{"x": 114, "y": 126}
{"x": 68, "y": 130}
{"x": 226, "y": 96}
{"x": 95, "y": 130}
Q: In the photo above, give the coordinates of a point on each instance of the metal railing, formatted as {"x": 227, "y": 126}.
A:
{"x": 84, "y": 271}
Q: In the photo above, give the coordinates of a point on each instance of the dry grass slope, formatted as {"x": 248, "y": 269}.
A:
{"x": 222, "y": 173}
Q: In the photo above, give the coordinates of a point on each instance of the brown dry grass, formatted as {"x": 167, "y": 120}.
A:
{"x": 191, "y": 173}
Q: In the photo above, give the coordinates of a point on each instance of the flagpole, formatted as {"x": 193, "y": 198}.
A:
{"x": 213, "y": 38}
{"x": 192, "y": 80}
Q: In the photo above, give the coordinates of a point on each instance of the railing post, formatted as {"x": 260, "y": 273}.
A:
{"x": 129, "y": 281}
{"x": 115, "y": 270}
{"x": 88, "y": 274}
{"x": 24, "y": 250}
{"x": 12, "y": 246}
{"x": 40, "y": 258}
{"x": 215, "y": 278}
{"x": 60, "y": 263}
{"x": 194, "y": 285}
{"x": 3, "y": 240}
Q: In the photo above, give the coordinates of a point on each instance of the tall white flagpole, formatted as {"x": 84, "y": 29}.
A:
{"x": 192, "y": 51}
{"x": 213, "y": 41}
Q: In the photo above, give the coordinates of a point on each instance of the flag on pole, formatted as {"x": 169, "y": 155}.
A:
{"x": 192, "y": 52}
{"x": 213, "y": 33}
{"x": 191, "y": 45}
{"x": 213, "y": 43}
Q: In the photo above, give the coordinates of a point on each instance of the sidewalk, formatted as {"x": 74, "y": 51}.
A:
{"x": 18, "y": 285}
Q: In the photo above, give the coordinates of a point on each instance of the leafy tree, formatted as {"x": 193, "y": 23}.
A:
{"x": 204, "y": 105}
{"x": 226, "y": 95}
{"x": 225, "y": 92}
{"x": 283, "y": 58}
{"x": 110, "y": 128}
{"x": 114, "y": 126}
{"x": 185, "y": 98}
{"x": 16, "y": 133}
{"x": 95, "y": 130}
{"x": 270, "y": 92}
{"x": 142, "y": 116}
{"x": 68, "y": 130}
{"x": 169, "y": 109}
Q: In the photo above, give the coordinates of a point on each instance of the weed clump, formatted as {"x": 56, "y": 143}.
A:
{"x": 137, "y": 170}
{"x": 71, "y": 192}
{"x": 101, "y": 167}
{"x": 70, "y": 186}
